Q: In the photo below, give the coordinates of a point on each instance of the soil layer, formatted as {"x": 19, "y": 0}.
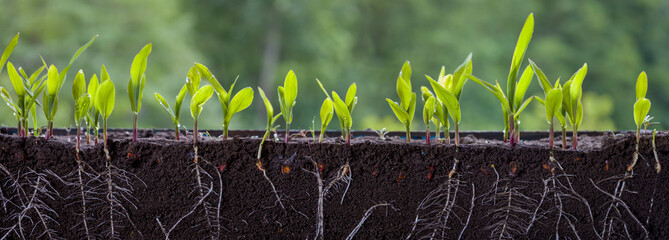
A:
{"x": 508, "y": 187}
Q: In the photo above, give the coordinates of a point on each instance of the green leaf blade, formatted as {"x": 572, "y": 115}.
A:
{"x": 641, "y": 85}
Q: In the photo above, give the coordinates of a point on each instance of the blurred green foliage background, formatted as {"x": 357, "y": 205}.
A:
{"x": 346, "y": 41}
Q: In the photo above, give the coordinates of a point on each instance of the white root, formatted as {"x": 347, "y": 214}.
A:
{"x": 193, "y": 209}
{"x": 364, "y": 218}
{"x": 342, "y": 175}
{"x": 212, "y": 220}
{"x": 509, "y": 217}
{"x": 615, "y": 206}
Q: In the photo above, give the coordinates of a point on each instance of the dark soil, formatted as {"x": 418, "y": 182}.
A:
{"x": 389, "y": 171}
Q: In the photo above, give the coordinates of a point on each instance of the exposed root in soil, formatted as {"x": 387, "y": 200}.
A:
{"x": 211, "y": 214}
{"x": 271, "y": 184}
{"x": 510, "y": 215}
{"x": 25, "y": 205}
{"x": 117, "y": 187}
{"x": 367, "y": 214}
{"x": 193, "y": 210}
{"x": 340, "y": 177}
{"x": 438, "y": 208}
{"x": 558, "y": 193}
{"x": 619, "y": 217}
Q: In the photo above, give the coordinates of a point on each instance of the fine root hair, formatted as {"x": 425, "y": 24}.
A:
{"x": 326, "y": 188}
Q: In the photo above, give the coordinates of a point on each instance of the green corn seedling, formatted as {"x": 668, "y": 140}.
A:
{"x": 641, "y": 109}
{"x": 326, "y": 112}
{"x": 287, "y": 96}
{"x": 8, "y": 51}
{"x": 571, "y": 101}
{"x": 512, "y": 102}
{"x": 105, "y": 98}
{"x": 343, "y": 109}
{"x": 404, "y": 111}
{"x": 271, "y": 119}
{"x": 200, "y": 97}
{"x": 192, "y": 82}
{"x": 136, "y": 85}
{"x": 448, "y": 91}
{"x": 229, "y": 104}
{"x": 553, "y": 107}
{"x": 440, "y": 113}
{"x": 54, "y": 83}
{"x": 547, "y": 87}
{"x": 429, "y": 108}
{"x": 27, "y": 89}
{"x": 82, "y": 102}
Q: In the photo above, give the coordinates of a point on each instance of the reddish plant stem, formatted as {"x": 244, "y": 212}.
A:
{"x": 348, "y": 137}
{"x": 574, "y": 139}
{"x": 78, "y": 137}
{"x": 49, "y": 131}
{"x": 427, "y": 136}
{"x": 195, "y": 133}
{"x": 287, "y": 137}
{"x": 176, "y": 132}
{"x": 20, "y": 130}
{"x": 457, "y": 136}
{"x": 512, "y": 133}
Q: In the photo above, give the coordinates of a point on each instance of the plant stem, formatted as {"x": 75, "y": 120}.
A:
{"x": 134, "y": 127}
{"x": 427, "y": 136}
{"x": 104, "y": 126}
{"x": 408, "y": 133}
{"x": 437, "y": 132}
{"x": 176, "y": 131}
{"x": 564, "y": 138}
{"x": 320, "y": 137}
{"x": 512, "y": 134}
{"x": 457, "y": 136}
{"x": 195, "y": 133}
{"x": 550, "y": 137}
{"x": 20, "y": 130}
{"x": 225, "y": 131}
{"x": 574, "y": 138}
{"x": 261, "y": 143}
{"x": 287, "y": 137}
{"x": 78, "y": 137}
{"x": 348, "y": 136}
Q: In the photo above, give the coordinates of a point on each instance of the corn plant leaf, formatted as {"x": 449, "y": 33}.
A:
{"x": 8, "y": 51}
{"x": 198, "y": 100}
{"x": 138, "y": 66}
{"x": 239, "y": 102}
{"x": 541, "y": 77}
{"x": 459, "y": 76}
{"x": 76, "y": 55}
{"x": 522, "y": 107}
{"x": 404, "y": 92}
{"x": 553, "y": 104}
{"x": 351, "y": 99}
{"x": 93, "y": 85}
{"x": 268, "y": 107}
{"x": 161, "y": 100}
{"x": 79, "y": 86}
{"x": 323, "y": 88}
{"x": 428, "y": 110}
{"x": 81, "y": 108}
{"x": 412, "y": 107}
{"x": 577, "y": 82}
{"x": 104, "y": 75}
{"x": 290, "y": 86}
{"x": 567, "y": 102}
{"x": 579, "y": 115}
{"x": 641, "y": 109}
{"x": 496, "y": 90}
{"x": 442, "y": 73}
{"x": 282, "y": 104}
{"x": 327, "y": 110}
{"x": 405, "y": 73}
{"x": 10, "y": 102}
{"x": 518, "y": 55}
{"x": 105, "y": 98}
{"x": 193, "y": 79}
{"x": 523, "y": 84}
{"x": 400, "y": 113}
{"x": 641, "y": 85}
{"x": 179, "y": 100}
{"x": 342, "y": 110}
{"x": 204, "y": 71}
{"x": 52, "y": 81}
{"x": 16, "y": 80}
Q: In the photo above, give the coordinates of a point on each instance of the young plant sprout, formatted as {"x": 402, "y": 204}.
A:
{"x": 105, "y": 97}
{"x": 641, "y": 109}
{"x": 404, "y": 111}
{"x": 553, "y": 106}
{"x": 8, "y": 51}
{"x": 197, "y": 102}
{"x": 547, "y": 87}
{"x": 287, "y": 96}
{"x": 271, "y": 118}
{"x": 343, "y": 109}
{"x": 327, "y": 110}
{"x": 174, "y": 114}
{"x": 229, "y": 104}
{"x": 448, "y": 91}
{"x": 428, "y": 114}
{"x": 571, "y": 101}
{"x": 439, "y": 113}
{"x": 136, "y": 85}
{"x": 512, "y": 102}
{"x": 27, "y": 89}
{"x": 82, "y": 102}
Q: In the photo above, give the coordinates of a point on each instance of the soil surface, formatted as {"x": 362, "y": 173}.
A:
{"x": 498, "y": 190}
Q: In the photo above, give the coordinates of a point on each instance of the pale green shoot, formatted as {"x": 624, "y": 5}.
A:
{"x": 404, "y": 111}
{"x": 197, "y": 102}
